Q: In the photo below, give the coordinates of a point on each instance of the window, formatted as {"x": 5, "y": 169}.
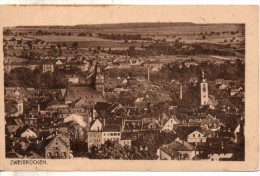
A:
{"x": 199, "y": 135}
{"x": 193, "y": 135}
{"x": 204, "y": 89}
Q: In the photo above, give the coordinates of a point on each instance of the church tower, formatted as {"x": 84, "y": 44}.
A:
{"x": 204, "y": 92}
{"x": 99, "y": 79}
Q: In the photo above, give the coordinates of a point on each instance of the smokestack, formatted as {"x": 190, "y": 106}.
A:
{"x": 180, "y": 90}
{"x": 148, "y": 73}
{"x": 104, "y": 122}
{"x": 39, "y": 109}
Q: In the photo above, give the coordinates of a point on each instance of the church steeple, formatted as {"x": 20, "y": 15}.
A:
{"x": 204, "y": 93}
{"x": 99, "y": 78}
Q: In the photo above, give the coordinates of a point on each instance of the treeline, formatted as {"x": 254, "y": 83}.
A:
{"x": 25, "y": 77}
{"x": 227, "y": 71}
{"x": 121, "y": 36}
{"x": 190, "y": 49}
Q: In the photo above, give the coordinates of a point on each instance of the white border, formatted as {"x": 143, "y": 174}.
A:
{"x": 135, "y": 2}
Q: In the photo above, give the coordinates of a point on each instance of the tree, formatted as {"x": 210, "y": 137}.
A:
{"x": 131, "y": 48}
{"x": 99, "y": 48}
{"x": 39, "y": 32}
{"x": 7, "y": 32}
{"x": 75, "y": 45}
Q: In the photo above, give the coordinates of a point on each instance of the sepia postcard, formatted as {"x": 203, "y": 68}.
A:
{"x": 129, "y": 88}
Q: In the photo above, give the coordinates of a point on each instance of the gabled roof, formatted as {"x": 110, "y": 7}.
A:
{"x": 111, "y": 128}
{"x": 12, "y": 128}
{"x": 51, "y": 140}
{"x": 10, "y": 107}
{"x": 85, "y": 93}
{"x": 178, "y": 145}
{"x": 76, "y": 119}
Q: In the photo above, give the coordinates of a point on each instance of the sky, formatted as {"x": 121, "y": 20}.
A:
{"x": 73, "y": 15}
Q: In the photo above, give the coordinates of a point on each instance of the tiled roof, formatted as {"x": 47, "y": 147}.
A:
{"x": 178, "y": 145}
{"x": 85, "y": 93}
{"x": 111, "y": 128}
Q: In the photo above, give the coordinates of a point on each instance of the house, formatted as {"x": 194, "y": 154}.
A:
{"x": 152, "y": 64}
{"x": 53, "y": 105}
{"x": 31, "y": 121}
{"x": 111, "y": 132}
{"x": 11, "y": 130}
{"x": 94, "y": 138}
{"x": 155, "y": 69}
{"x": 150, "y": 123}
{"x": 206, "y": 121}
{"x": 73, "y": 80}
{"x": 132, "y": 125}
{"x": 96, "y": 125}
{"x": 127, "y": 138}
{"x": 217, "y": 149}
{"x": 86, "y": 94}
{"x": 47, "y": 67}
{"x": 83, "y": 67}
{"x": 170, "y": 124}
{"x": 58, "y": 147}
{"x": 196, "y": 136}
{"x": 76, "y": 119}
{"x": 58, "y": 63}
{"x": 189, "y": 63}
{"x": 177, "y": 150}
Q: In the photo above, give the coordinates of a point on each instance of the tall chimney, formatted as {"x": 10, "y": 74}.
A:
{"x": 104, "y": 122}
{"x": 180, "y": 90}
{"x": 39, "y": 109}
{"x": 148, "y": 70}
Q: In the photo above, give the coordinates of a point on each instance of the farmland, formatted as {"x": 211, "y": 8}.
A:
{"x": 226, "y": 38}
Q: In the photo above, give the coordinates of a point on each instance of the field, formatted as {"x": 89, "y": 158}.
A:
{"x": 55, "y": 38}
{"x": 226, "y": 36}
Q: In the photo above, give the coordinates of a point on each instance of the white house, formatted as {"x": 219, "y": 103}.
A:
{"x": 169, "y": 125}
{"x": 73, "y": 80}
{"x": 47, "y": 68}
{"x": 96, "y": 126}
{"x": 196, "y": 136}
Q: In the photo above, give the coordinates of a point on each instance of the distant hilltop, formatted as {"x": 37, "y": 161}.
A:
{"x": 134, "y": 25}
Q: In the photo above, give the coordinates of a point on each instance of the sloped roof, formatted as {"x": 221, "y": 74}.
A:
{"x": 85, "y": 93}
{"x": 12, "y": 128}
{"x": 111, "y": 128}
{"x": 10, "y": 107}
{"x": 76, "y": 119}
{"x": 178, "y": 145}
